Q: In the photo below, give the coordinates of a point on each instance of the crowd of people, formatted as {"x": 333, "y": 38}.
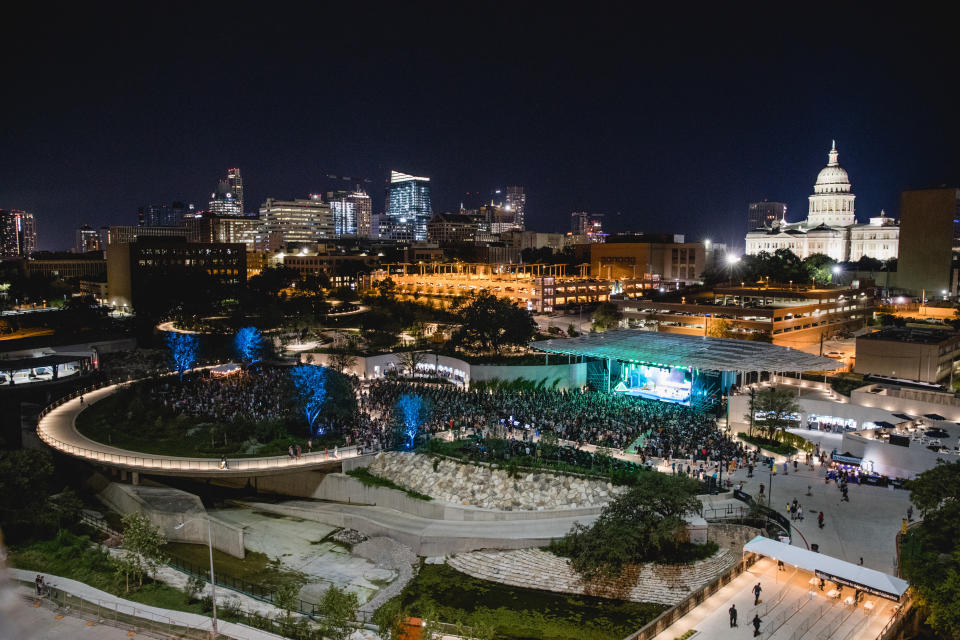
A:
{"x": 251, "y": 396}
{"x": 648, "y": 428}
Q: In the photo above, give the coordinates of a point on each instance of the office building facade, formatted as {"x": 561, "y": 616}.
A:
{"x": 227, "y": 199}
{"x": 18, "y": 233}
{"x": 307, "y": 220}
{"x": 516, "y": 202}
{"x": 765, "y": 214}
{"x": 409, "y": 208}
{"x": 86, "y": 240}
{"x": 930, "y": 231}
{"x": 352, "y": 212}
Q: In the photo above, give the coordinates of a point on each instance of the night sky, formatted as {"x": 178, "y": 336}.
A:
{"x": 670, "y": 123}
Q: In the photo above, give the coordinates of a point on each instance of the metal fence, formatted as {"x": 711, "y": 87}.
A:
{"x": 256, "y": 591}
{"x": 124, "y": 616}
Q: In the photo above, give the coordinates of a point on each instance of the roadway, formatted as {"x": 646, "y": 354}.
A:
{"x": 58, "y": 430}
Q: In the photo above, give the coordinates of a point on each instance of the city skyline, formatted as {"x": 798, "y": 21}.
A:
{"x": 661, "y": 136}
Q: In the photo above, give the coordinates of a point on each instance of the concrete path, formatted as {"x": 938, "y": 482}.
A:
{"x": 112, "y": 602}
{"x": 798, "y": 614}
{"x": 57, "y": 429}
{"x": 429, "y": 537}
{"x": 23, "y": 619}
{"x": 865, "y": 527}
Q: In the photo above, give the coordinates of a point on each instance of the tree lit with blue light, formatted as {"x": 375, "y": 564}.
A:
{"x": 183, "y": 351}
{"x": 249, "y": 344}
{"x": 310, "y": 382}
{"x": 411, "y": 411}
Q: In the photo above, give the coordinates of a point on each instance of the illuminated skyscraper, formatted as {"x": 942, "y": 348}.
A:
{"x": 87, "y": 240}
{"x": 408, "y": 208}
{"x": 516, "y": 201}
{"x": 18, "y": 234}
{"x": 302, "y": 220}
{"x": 765, "y": 214}
{"x": 351, "y": 213}
{"x": 227, "y": 200}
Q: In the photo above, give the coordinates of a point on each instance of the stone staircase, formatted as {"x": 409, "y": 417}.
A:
{"x": 536, "y": 569}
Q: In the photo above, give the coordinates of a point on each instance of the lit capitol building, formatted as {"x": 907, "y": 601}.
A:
{"x": 831, "y": 227}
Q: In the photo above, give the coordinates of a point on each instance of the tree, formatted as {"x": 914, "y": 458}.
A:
{"x": 410, "y": 412}
{"x": 339, "y": 608}
{"x": 66, "y": 507}
{"x": 606, "y": 316}
{"x": 310, "y": 381}
{"x": 387, "y": 288}
{"x": 143, "y": 543}
{"x": 819, "y": 268}
{"x": 778, "y": 408}
{"x": 644, "y": 523}
{"x": 491, "y": 323}
{"x": 390, "y": 619}
{"x": 343, "y": 353}
{"x": 183, "y": 349}
{"x": 249, "y": 344}
{"x": 718, "y": 328}
{"x": 410, "y": 360}
{"x": 930, "y": 552}
{"x": 25, "y": 477}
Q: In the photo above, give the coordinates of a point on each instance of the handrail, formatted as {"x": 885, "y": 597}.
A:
{"x": 683, "y": 607}
{"x": 150, "y": 462}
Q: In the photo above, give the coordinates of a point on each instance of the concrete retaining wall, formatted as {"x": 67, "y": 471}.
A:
{"x": 339, "y": 487}
{"x": 166, "y": 508}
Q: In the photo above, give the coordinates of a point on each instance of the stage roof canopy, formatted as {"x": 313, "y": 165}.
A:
{"x": 678, "y": 350}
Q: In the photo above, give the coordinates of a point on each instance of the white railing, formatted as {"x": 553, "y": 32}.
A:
{"x": 145, "y": 462}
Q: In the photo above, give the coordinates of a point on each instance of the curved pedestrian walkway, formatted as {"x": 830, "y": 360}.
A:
{"x": 57, "y": 429}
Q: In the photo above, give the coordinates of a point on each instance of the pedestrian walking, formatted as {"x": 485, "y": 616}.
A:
{"x": 910, "y": 513}
{"x": 733, "y": 615}
{"x": 820, "y": 520}
{"x": 309, "y": 445}
{"x": 761, "y": 488}
{"x": 756, "y": 594}
{"x": 799, "y": 512}
{"x": 756, "y": 625}
{"x": 290, "y": 452}
{"x": 38, "y": 581}
{"x": 299, "y": 452}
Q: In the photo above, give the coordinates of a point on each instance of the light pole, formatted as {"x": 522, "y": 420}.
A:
{"x": 213, "y": 583}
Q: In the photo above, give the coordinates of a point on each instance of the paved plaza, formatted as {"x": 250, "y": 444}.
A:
{"x": 791, "y": 608}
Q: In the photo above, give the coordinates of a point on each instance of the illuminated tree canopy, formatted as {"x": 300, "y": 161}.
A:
{"x": 411, "y": 412}
{"x": 183, "y": 351}
{"x": 311, "y": 384}
{"x": 249, "y": 344}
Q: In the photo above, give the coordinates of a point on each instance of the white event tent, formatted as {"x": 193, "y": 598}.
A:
{"x": 829, "y": 568}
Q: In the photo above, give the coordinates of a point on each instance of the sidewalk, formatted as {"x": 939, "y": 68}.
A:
{"x": 114, "y": 603}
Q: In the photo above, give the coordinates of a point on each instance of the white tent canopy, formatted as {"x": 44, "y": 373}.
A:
{"x": 828, "y": 568}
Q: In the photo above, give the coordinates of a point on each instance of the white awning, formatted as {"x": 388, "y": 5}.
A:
{"x": 829, "y": 568}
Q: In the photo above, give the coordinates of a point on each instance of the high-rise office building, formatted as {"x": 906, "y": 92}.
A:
{"x": 764, "y": 214}
{"x": 351, "y": 213}
{"x": 409, "y": 208}
{"x": 18, "y": 233}
{"x": 227, "y": 200}
{"x": 302, "y": 220}
{"x": 586, "y": 227}
{"x": 87, "y": 240}
{"x": 516, "y": 201}
{"x": 161, "y": 215}
{"x": 103, "y": 236}
{"x": 929, "y": 231}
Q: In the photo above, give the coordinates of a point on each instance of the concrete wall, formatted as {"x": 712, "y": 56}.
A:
{"x": 913, "y": 404}
{"x": 166, "y": 508}
{"x": 739, "y": 408}
{"x": 564, "y": 375}
{"x": 892, "y": 460}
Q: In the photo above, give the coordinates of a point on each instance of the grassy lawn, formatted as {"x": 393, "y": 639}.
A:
{"x": 373, "y": 480}
{"x": 522, "y": 614}
{"x": 256, "y": 568}
{"x": 70, "y": 556}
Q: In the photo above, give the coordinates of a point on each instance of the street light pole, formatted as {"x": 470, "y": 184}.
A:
{"x": 213, "y": 583}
